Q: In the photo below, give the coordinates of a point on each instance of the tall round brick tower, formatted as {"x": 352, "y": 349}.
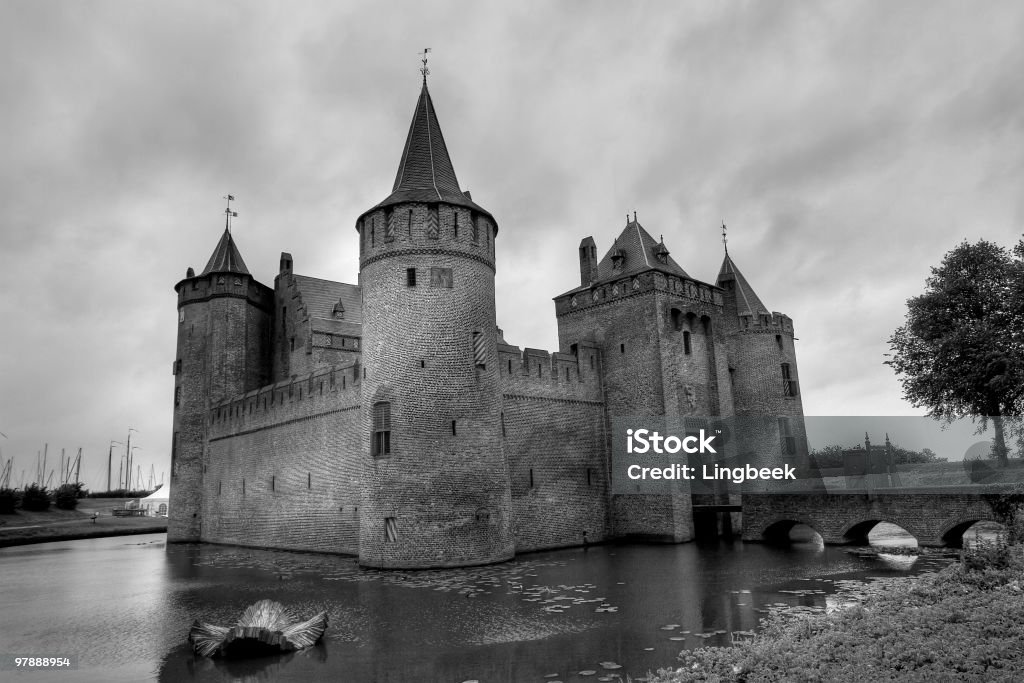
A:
{"x": 437, "y": 491}
{"x": 223, "y": 351}
{"x": 763, "y": 372}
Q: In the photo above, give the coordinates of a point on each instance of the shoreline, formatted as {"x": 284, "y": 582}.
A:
{"x": 80, "y": 535}
{"x": 948, "y": 623}
{"x": 51, "y": 527}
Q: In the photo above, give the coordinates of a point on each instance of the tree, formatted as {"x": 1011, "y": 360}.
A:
{"x": 961, "y": 351}
{"x": 66, "y": 496}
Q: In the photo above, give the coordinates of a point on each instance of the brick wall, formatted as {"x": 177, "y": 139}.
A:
{"x": 554, "y": 438}
{"x": 283, "y": 467}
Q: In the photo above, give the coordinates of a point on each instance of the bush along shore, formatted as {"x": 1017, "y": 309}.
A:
{"x": 964, "y": 623}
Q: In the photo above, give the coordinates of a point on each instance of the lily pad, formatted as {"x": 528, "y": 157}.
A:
{"x": 610, "y": 665}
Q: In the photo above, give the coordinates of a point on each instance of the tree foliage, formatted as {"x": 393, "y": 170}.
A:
{"x": 66, "y": 496}
{"x": 960, "y": 352}
{"x": 828, "y": 457}
{"x": 35, "y": 498}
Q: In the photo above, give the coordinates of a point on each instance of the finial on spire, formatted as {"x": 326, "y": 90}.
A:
{"x": 423, "y": 69}
{"x": 627, "y": 218}
{"x": 228, "y": 213}
{"x": 725, "y": 240}
{"x": 634, "y": 215}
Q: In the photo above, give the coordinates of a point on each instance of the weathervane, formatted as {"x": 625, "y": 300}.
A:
{"x": 423, "y": 69}
{"x": 725, "y": 240}
{"x": 228, "y": 213}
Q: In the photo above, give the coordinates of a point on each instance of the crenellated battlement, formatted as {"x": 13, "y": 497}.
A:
{"x": 688, "y": 291}
{"x": 774, "y": 323}
{"x": 195, "y": 289}
{"x": 426, "y": 228}
{"x": 337, "y": 388}
{"x": 572, "y": 376}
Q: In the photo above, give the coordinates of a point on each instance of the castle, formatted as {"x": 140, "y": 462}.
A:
{"x": 391, "y": 420}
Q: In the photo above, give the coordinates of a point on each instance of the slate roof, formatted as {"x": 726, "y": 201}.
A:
{"x": 320, "y": 296}
{"x": 639, "y": 254}
{"x": 747, "y": 302}
{"x": 225, "y": 258}
{"x": 425, "y": 173}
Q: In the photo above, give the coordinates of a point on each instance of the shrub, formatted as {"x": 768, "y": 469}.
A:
{"x": 984, "y": 554}
{"x": 66, "y": 496}
{"x": 8, "y": 501}
{"x": 35, "y": 498}
{"x": 953, "y": 625}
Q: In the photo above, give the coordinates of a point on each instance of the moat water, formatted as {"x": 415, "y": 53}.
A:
{"x": 124, "y": 605}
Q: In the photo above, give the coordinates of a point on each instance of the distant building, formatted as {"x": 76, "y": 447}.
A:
{"x": 391, "y": 420}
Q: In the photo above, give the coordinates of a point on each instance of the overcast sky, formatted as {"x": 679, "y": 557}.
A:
{"x": 847, "y": 145}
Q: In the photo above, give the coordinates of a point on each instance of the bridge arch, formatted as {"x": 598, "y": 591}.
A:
{"x": 777, "y": 529}
{"x": 951, "y": 533}
{"x": 857, "y": 531}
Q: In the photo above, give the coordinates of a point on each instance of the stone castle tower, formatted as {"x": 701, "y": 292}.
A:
{"x": 426, "y": 256}
{"x": 391, "y": 420}
{"x": 223, "y": 349}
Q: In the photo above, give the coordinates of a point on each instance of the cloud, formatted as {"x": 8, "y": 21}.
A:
{"x": 847, "y": 147}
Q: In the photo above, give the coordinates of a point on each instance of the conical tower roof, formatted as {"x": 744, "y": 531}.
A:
{"x": 425, "y": 172}
{"x": 747, "y": 302}
{"x": 226, "y": 257}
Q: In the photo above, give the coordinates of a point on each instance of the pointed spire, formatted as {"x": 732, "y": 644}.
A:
{"x": 747, "y": 301}
{"x": 425, "y": 171}
{"x": 226, "y": 257}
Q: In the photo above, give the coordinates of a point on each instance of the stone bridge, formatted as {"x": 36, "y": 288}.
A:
{"x": 934, "y": 519}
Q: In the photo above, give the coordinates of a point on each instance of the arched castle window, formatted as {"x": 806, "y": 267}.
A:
{"x": 677, "y": 319}
{"x": 381, "y": 428}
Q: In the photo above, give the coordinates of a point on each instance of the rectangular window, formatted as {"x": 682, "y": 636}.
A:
{"x": 441, "y": 278}
{"x": 177, "y": 396}
{"x": 410, "y": 277}
{"x": 789, "y": 385}
{"x": 788, "y": 441}
{"x": 390, "y": 529}
{"x": 686, "y": 343}
{"x": 479, "y": 351}
{"x": 382, "y": 428}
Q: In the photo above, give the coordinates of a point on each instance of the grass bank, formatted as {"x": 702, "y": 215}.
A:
{"x": 954, "y": 625}
{"x": 23, "y": 528}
